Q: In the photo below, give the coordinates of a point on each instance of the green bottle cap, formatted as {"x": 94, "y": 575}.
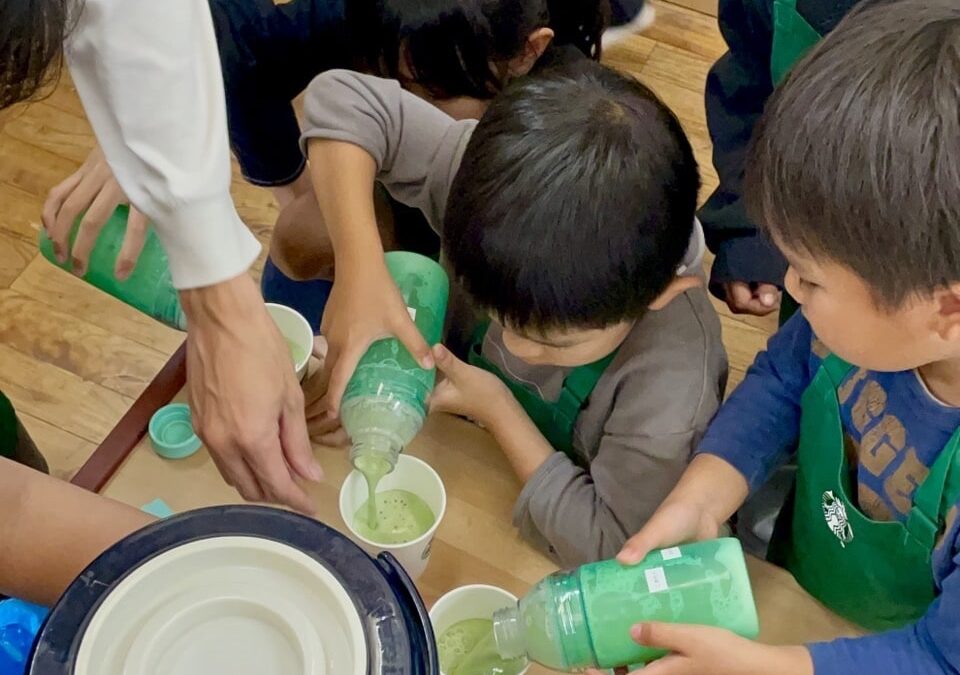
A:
{"x": 171, "y": 432}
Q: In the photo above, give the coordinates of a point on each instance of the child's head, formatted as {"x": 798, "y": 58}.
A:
{"x": 571, "y": 212}
{"x": 460, "y": 53}
{"x": 855, "y": 172}
{"x": 31, "y": 39}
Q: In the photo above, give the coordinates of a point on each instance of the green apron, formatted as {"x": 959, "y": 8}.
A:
{"x": 556, "y": 420}
{"x": 792, "y": 39}
{"x": 876, "y": 574}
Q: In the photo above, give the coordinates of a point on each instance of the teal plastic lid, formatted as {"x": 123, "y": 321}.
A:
{"x": 171, "y": 432}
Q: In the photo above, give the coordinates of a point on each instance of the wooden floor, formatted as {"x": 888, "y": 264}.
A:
{"x": 73, "y": 360}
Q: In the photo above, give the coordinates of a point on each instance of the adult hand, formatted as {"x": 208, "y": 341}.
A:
{"x": 91, "y": 189}
{"x": 247, "y": 404}
{"x": 757, "y": 299}
{"x": 365, "y": 305}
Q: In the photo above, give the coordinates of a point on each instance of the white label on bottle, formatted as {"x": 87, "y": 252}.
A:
{"x": 412, "y": 312}
{"x": 670, "y": 553}
{"x": 656, "y": 579}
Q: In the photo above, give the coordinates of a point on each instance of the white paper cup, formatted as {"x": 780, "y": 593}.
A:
{"x": 295, "y": 328}
{"x": 413, "y": 475}
{"x": 469, "y": 602}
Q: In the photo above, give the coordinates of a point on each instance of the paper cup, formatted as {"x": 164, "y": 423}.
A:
{"x": 413, "y": 475}
{"x": 469, "y": 602}
{"x": 297, "y": 330}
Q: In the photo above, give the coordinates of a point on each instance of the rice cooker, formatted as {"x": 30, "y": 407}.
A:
{"x": 238, "y": 590}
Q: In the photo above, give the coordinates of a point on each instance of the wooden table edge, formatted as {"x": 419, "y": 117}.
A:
{"x": 123, "y": 438}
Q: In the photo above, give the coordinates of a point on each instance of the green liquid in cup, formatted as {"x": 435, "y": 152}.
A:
{"x": 468, "y": 648}
{"x": 401, "y": 517}
{"x": 297, "y": 353}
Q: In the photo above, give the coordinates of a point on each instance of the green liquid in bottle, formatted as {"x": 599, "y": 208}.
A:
{"x": 468, "y": 648}
{"x": 581, "y": 619}
{"x": 149, "y": 288}
{"x": 401, "y": 517}
{"x": 384, "y": 404}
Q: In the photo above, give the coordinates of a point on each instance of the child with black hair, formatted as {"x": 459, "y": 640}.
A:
{"x": 571, "y": 230}
{"x": 854, "y": 171}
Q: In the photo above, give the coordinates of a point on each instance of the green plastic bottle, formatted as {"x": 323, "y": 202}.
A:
{"x": 582, "y": 618}
{"x": 149, "y": 288}
{"x": 385, "y": 402}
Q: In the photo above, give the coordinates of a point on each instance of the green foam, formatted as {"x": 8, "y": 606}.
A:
{"x": 468, "y": 648}
{"x": 401, "y": 517}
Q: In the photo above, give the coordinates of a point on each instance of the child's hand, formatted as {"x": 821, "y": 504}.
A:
{"x": 675, "y": 522}
{"x": 364, "y": 306}
{"x": 703, "y": 650}
{"x": 466, "y": 390}
{"x": 323, "y": 426}
{"x": 708, "y": 493}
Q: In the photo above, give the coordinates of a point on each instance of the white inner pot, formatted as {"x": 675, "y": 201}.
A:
{"x": 230, "y": 605}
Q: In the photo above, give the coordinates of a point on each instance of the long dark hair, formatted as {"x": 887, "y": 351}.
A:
{"x": 31, "y": 46}
{"x": 448, "y": 46}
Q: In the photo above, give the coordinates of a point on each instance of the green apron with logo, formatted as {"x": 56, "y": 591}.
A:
{"x": 876, "y": 574}
{"x": 556, "y": 420}
{"x": 792, "y": 39}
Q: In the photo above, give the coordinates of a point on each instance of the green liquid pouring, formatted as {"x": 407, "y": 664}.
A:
{"x": 468, "y": 648}
{"x": 400, "y": 517}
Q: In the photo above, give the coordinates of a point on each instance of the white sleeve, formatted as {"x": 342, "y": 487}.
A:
{"x": 148, "y": 73}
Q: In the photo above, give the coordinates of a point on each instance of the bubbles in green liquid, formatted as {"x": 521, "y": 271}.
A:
{"x": 468, "y": 648}
{"x": 401, "y": 517}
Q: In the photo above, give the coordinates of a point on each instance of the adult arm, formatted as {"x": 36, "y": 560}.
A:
{"x": 149, "y": 77}
{"x": 51, "y": 530}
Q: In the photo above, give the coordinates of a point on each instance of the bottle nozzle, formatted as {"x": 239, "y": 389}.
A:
{"x": 507, "y": 633}
{"x": 374, "y": 454}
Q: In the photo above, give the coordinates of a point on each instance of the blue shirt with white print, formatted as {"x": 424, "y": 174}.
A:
{"x": 894, "y": 430}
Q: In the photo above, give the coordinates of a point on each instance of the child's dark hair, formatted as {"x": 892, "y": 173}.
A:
{"x": 451, "y": 47}
{"x": 574, "y": 203}
{"x": 856, "y": 158}
{"x": 31, "y": 41}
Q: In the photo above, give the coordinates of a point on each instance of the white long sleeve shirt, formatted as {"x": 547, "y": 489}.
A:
{"x": 148, "y": 73}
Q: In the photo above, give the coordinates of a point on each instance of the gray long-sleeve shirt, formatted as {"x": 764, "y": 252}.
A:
{"x": 650, "y": 407}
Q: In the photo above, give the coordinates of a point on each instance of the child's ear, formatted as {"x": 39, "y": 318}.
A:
{"x": 537, "y": 43}
{"x": 678, "y": 286}
{"x": 948, "y": 312}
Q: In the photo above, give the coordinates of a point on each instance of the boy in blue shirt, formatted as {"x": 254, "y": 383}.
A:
{"x": 854, "y": 170}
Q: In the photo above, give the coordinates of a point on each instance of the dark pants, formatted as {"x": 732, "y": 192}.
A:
{"x": 15, "y": 442}
{"x": 310, "y": 297}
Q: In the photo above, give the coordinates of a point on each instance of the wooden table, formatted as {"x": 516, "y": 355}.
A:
{"x": 475, "y": 543}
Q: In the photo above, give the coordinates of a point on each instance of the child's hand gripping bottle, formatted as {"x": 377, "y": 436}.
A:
{"x": 385, "y": 402}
